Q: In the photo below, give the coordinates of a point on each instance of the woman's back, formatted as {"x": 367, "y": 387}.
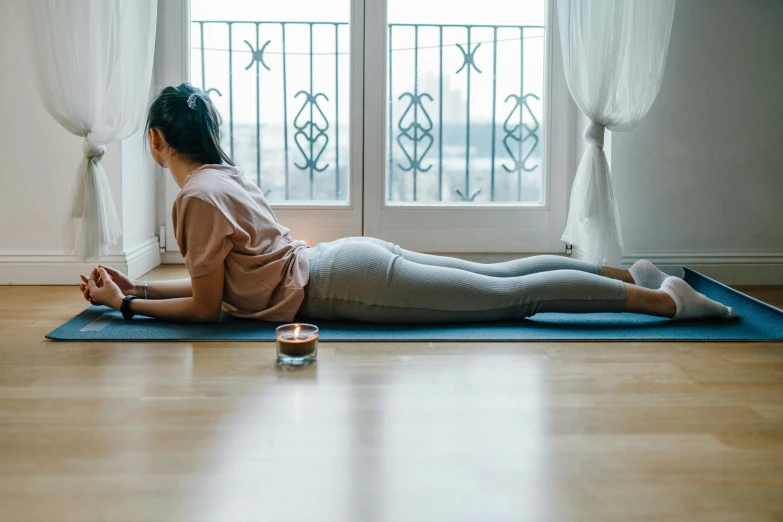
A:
{"x": 221, "y": 217}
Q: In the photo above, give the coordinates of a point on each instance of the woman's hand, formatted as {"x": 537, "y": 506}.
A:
{"x": 98, "y": 278}
{"x": 101, "y": 289}
{"x": 84, "y": 287}
{"x": 126, "y": 285}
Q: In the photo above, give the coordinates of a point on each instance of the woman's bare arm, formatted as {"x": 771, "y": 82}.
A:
{"x": 202, "y": 307}
{"x": 155, "y": 289}
{"x": 170, "y": 289}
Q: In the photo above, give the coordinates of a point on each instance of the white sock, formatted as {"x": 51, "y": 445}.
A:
{"x": 691, "y": 304}
{"x": 647, "y": 274}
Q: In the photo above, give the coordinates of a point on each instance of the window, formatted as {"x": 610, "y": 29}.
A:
{"x": 465, "y": 107}
{"x": 425, "y": 126}
{"x": 278, "y": 72}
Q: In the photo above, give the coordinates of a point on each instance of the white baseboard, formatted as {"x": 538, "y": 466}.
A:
{"x": 58, "y": 269}
{"x": 172, "y": 258}
{"x": 143, "y": 258}
{"x": 757, "y": 268}
{"x": 760, "y": 268}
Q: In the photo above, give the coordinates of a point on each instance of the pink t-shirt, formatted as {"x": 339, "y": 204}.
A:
{"x": 222, "y": 217}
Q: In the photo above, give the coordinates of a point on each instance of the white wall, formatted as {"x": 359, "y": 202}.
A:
{"x": 700, "y": 180}
{"x": 38, "y": 158}
{"x": 38, "y": 161}
{"x": 138, "y": 192}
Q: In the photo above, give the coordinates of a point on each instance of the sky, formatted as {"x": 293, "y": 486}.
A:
{"x": 500, "y": 12}
{"x": 511, "y": 12}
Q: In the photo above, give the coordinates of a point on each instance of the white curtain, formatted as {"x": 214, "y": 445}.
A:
{"x": 614, "y": 52}
{"x": 92, "y": 65}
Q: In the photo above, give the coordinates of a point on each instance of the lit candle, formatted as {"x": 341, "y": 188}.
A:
{"x": 296, "y": 343}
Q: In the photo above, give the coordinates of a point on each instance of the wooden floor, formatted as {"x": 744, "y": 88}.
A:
{"x": 404, "y": 432}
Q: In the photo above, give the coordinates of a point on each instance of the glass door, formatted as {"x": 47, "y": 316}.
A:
{"x": 286, "y": 78}
{"x": 458, "y": 127}
{"x": 442, "y": 130}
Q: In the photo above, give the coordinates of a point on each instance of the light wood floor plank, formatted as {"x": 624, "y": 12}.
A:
{"x": 609, "y": 431}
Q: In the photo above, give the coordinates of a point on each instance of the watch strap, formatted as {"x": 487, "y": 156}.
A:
{"x": 125, "y": 309}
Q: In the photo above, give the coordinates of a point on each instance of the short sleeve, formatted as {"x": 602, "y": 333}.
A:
{"x": 203, "y": 235}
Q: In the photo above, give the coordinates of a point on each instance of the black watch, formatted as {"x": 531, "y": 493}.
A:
{"x": 127, "y": 313}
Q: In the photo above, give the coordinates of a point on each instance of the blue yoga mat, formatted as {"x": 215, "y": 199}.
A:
{"x": 756, "y": 321}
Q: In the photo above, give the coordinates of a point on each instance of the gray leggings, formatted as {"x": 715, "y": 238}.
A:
{"x": 367, "y": 279}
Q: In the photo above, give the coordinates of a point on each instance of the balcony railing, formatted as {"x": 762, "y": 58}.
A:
{"x": 294, "y": 137}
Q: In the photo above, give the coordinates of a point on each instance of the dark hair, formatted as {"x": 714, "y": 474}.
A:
{"x": 190, "y": 123}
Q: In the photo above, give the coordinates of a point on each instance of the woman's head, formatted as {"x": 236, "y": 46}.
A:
{"x": 182, "y": 120}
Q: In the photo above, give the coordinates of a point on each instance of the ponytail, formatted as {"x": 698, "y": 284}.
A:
{"x": 189, "y": 122}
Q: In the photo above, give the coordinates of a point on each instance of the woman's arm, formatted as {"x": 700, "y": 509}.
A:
{"x": 163, "y": 289}
{"x": 155, "y": 289}
{"x": 202, "y": 307}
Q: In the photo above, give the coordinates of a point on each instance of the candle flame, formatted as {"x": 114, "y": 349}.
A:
{"x": 296, "y": 332}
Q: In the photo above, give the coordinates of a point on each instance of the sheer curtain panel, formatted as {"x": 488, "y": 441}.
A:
{"x": 92, "y": 65}
{"x": 614, "y": 52}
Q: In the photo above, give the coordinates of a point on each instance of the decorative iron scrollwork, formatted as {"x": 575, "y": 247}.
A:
{"x": 520, "y": 133}
{"x": 309, "y": 134}
{"x": 257, "y": 55}
{"x": 467, "y": 198}
{"x": 468, "y": 58}
{"x": 415, "y": 132}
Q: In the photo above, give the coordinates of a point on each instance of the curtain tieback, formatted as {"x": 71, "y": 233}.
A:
{"x": 594, "y": 134}
{"x": 93, "y": 151}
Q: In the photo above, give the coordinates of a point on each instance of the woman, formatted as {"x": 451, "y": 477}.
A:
{"x": 242, "y": 260}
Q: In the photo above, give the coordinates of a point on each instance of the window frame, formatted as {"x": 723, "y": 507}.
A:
{"x": 460, "y": 229}
{"x": 312, "y": 223}
{"x": 469, "y": 228}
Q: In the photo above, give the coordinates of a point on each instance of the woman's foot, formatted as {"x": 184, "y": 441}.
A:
{"x": 642, "y": 273}
{"x": 647, "y": 274}
{"x": 691, "y": 304}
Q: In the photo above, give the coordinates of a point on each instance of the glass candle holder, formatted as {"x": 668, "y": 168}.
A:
{"x": 297, "y": 343}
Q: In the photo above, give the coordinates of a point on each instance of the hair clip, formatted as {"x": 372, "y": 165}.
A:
{"x": 192, "y": 101}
